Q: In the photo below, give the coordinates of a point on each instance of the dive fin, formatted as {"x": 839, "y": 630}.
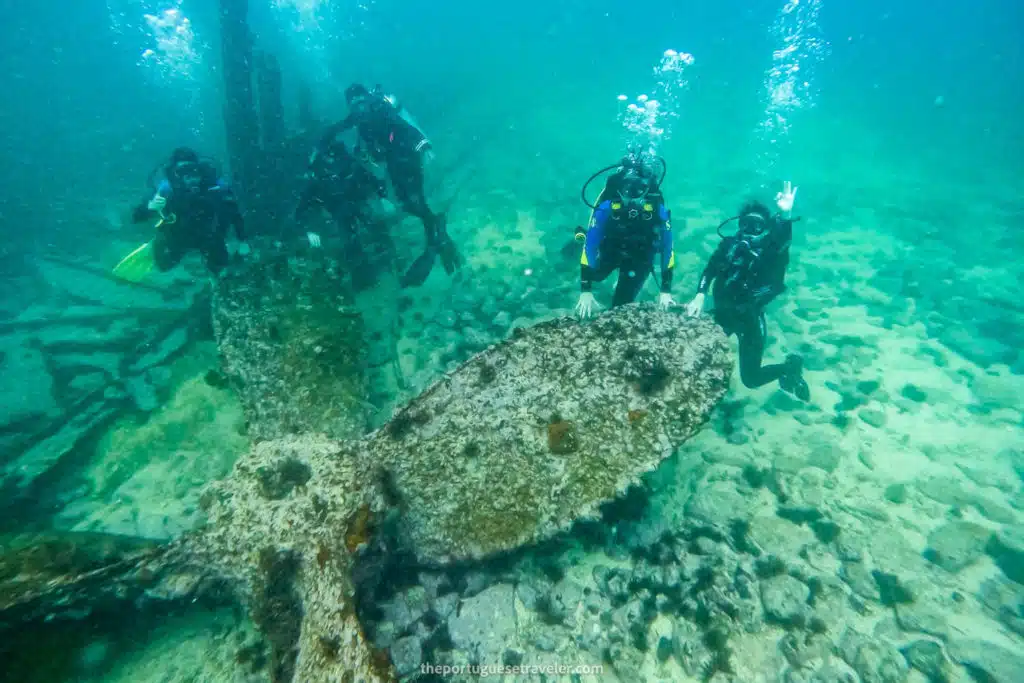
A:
{"x": 570, "y": 250}
{"x": 137, "y": 265}
{"x": 450, "y": 257}
{"x": 420, "y": 268}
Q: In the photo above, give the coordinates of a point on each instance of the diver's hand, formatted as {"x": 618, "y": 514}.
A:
{"x": 243, "y": 249}
{"x": 314, "y": 239}
{"x": 586, "y": 305}
{"x": 157, "y": 203}
{"x": 784, "y": 200}
{"x": 665, "y": 301}
{"x": 696, "y": 306}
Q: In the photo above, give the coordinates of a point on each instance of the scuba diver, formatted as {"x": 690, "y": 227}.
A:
{"x": 630, "y": 224}
{"x": 746, "y": 272}
{"x": 195, "y": 208}
{"x": 387, "y": 133}
{"x": 344, "y": 187}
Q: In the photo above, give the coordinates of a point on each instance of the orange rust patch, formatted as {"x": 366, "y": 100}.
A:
{"x": 322, "y": 556}
{"x": 562, "y": 437}
{"x": 358, "y": 531}
{"x": 636, "y": 416}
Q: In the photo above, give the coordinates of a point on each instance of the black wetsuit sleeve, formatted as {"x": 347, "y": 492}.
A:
{"x": 772, "y": 280}
{"x": 777, "y": 274}
{"x": 231, "y": 217}
{"x": 142, "y": 212}
{"x": 335, "y": 129}
{"x": 306, "y": 201}
{"x": 714, "y": 268}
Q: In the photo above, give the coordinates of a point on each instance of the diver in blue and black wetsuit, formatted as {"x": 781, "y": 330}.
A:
{"x": 629, "y": 227}
{"x": 196, "y": 209}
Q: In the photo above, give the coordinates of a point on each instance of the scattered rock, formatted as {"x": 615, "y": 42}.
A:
{"x": 896, "y": 493}
{"x": 891, "y": 591}
{"x": 999, "y": 390}
{"x": 565, "y": 600}
{"x": 826, "y": 456}
{"x": 627, "y": 661}
{"x": 858, "y": 577}
{"x": 987, "y": 661}
{"x": 445, "y": 605}
{"x": 717, "y": 504}
{"x": 407, "y": 655}
{"x": 957, "y": 544}
{"x": 914, "y": 393}
{"x": 486, "y": 623}
{"x": 776, "y": 536}
{"x": 545, "y": 641}
{"x": 922, "y": 617}
{"x": 993, "y": 509}
{"x": 988, "y": 474}
{"x": 1005, "y": 600}
{"x": 1007, "y": 550}
{"x": 401, "y": 612}
{"x": 874, "y": 661}
{"x": 927, "y": 657}
{"x": 947, "y": 490}
{"x": 785, "y": 600}
{"x": 875, "y": 418}
{"x": 801, "y": 649}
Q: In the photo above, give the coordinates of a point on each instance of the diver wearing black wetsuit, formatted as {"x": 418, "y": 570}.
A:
{"x": 387, "y": 133}
{"x": 745, "y": 274}
{"x": 340, "y": 184}
{"x": 196, "y": 211}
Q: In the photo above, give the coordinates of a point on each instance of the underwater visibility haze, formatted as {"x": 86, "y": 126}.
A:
{"x": 380, "y": 340}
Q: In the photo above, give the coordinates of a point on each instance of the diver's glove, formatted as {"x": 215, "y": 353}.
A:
{"x": 314, "y": 239}
{"x": 586, "y": 305}
{"x": 696, "y": 306}
{"x": 785, "y": 199}
{"x": 665, "y": 301}
{"x": 158, "y": 203}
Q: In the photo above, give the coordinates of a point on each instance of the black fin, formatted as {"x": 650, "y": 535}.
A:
{"x": 450, "y": 257}
{"x": 570, "y": 249}
{"x": 420, "y": 268}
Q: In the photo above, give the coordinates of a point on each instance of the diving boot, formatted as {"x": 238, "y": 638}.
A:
{"x": 792, "y": 382}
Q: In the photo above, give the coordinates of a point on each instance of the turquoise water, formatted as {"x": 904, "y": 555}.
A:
{"x": 899, "y": 123}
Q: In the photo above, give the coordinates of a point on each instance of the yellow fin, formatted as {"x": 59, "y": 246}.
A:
{"x": 137, "y": 265}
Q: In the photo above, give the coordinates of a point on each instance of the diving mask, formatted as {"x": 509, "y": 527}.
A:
{"x": 633, "y": 188}
{"x": 188, "y": 175}
{"x": 753, "y": 224}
